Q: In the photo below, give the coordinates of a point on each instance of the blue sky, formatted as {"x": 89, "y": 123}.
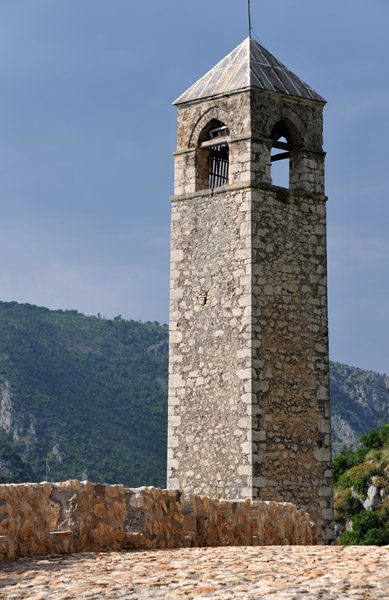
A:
{"x": 87, "y": 133}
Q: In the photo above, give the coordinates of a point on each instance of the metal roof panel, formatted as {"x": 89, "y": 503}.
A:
{"x": 249, "y": 65}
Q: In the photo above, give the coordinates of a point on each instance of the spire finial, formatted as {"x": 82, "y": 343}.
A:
{"x": 249, "y": 7}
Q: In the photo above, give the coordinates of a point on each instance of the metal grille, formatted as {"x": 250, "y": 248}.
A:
{"x": 218, "y": 165}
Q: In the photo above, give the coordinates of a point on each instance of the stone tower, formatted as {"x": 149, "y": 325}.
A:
{"x": 249, "y": 407}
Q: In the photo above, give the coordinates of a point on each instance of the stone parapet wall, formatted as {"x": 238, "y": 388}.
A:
{"x": 73, "y": 516}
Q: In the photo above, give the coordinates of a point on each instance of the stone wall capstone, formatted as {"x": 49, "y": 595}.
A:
{"x": 74, "y": 516}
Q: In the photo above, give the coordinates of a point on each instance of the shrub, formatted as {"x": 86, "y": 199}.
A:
{"x": 341, "y": 463}
{"x": 357, "y": 477}
{"x": 369, "y": 528}
{"x": 376, "y": 537}
{"x": 384, "y": 434}
{"x": 346, "y": 505}
{"x": 283, "y": 196}
{"x": 348, "y": 538}
{"x": 373, "y": 537}
{"x": 372, "y": 440}
{"x": 351, "y": 506}
{"x": 383, "y": 513}
{"x": 364, "y": 521}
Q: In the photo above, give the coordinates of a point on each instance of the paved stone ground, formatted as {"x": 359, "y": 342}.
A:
{"x": 277, "y": 572}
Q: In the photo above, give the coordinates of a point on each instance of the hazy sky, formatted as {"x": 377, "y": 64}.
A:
{"x": 87, "y": 133}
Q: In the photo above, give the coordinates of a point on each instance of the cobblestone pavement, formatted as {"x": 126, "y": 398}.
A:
{"x": 278, "y": 572}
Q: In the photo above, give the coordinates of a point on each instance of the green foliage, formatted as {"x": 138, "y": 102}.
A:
{"x": 372, "y": 440}
{"x": 345, "y": 460}
{"x": 369, "y": 528}
{"x": 348, "y": 459}
{"x": 88, "y": 394}
{"x": 347, "y": 539}
{"x": 384, "y": 435}
{"x": 13, "y": 468}
{"x": 347, "y": 505}
{"x": 358, "y": 478}
{"x": 283, "y": 195}
{"x": 376, "y": 537}
{"x": 366, "y": 527}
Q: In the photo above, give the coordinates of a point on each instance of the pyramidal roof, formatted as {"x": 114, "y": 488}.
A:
{"x": 249, "y": 65}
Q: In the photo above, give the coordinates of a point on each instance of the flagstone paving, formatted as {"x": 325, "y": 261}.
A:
{"x": 277, "y": 572}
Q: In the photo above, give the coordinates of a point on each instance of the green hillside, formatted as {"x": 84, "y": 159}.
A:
{"x": 13, "y": 469}
{"x": 87, "y": 397}
{"x": 82, "y": 396}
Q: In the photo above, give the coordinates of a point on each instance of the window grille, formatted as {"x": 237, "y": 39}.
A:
{"x": 218, "y": 165}
{"x": 213, "y": 160}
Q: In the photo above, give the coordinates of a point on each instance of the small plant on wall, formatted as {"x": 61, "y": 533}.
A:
{"x": 283, "y": 196}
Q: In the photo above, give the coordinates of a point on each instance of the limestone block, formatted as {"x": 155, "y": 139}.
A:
{"x": 71, "y": 485}
{"x": 102, "y": 534}
{"x": 113, "y": 491}
{"x": 373, "y": 500}
{"x": 144, "y": 502}
{"x": 100, "y": 510}
{"x": 26, "y": 531}
{"x": 53, "y": 514}
{"x": 176, "y": 381}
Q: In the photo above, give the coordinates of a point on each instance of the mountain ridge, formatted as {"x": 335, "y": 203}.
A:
{"x": 359, "y": 403}
{"x": 87, "y": 397}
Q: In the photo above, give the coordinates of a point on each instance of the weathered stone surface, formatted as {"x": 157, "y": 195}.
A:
{"x": 279, "y": 572}
{"x": 249, "y": 409}
{"x": 95, "y": 517}
{"x": 374, "y": 498}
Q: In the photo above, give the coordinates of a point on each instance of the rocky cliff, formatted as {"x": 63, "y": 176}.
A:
{"x": 359, "y": 402}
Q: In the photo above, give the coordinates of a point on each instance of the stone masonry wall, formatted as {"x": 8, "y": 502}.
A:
{"x": 249, "y": 409}
{"x": 210, "y": 438}
{"x": 73, "y": 516}
{"x": 210, "y": 432}
{"x": 292, "y": 439}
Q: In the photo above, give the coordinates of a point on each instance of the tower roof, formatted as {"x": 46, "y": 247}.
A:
{"x": 249, "y": 65}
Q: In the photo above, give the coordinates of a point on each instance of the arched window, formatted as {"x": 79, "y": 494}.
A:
{"x": 280, "y": 161}
{"x": 279, "y": 164}
{"x": 212, "y": 168}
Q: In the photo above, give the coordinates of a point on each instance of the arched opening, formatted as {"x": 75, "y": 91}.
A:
{"x": 281, "y": 148}
{"x": 280, "y": 165}
{"x": 212, "y": 165}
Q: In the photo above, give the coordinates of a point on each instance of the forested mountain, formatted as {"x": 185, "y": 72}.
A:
{"x": 81, "y": 397}
{"x": 87, "y": 397}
